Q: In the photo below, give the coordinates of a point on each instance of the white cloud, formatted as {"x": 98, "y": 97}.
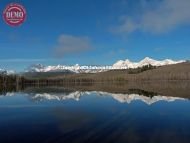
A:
{"x": 68, "y": 44}
{"x": 160, "y": 17}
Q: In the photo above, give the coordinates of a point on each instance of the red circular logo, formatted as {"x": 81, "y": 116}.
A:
{"x": 14, "y": 14}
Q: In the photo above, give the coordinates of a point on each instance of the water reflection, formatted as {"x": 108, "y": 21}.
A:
{"x": 60, "y": 94}
{"x": 88, "y": 114}
{"x": 122, "y": 98}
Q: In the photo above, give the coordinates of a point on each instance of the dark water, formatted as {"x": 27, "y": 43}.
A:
{"x": 93, "y": 117}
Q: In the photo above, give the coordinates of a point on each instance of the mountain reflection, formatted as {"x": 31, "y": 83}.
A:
{"x": 133, "y": 95}
{"x": 148, "y": 93}
{"x": 122, "y": 98}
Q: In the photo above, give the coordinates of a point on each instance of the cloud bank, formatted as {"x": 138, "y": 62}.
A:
{"x": 69, "y": 45}
{"x": 162, "y": 16}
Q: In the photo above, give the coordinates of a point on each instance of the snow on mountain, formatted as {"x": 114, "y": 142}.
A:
{"x": 122, "y": 98}
{"x": 36, "y": 68}
{"x": 127, "y": 63}
{"x": 58, "y": 68}
{"x": 121, "y": 64}
{"x": 3, "y": 71}
{"x": 145, "y": 61}
{"x": 62, "y": 68}
{"x": 6, "y": 72}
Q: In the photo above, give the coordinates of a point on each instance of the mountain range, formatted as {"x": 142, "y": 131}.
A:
{"x": 144, "y": 62}
{"x": 122, "y": 98}
{"x": 121, "y": 64}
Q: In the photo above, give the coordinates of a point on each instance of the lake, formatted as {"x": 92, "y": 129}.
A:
{"x": 56, "y": 115}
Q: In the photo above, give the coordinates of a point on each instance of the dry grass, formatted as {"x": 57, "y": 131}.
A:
{"x": 172, "y": 72}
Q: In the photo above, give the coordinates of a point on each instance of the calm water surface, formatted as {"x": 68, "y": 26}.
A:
{"x": 87, "y": 117}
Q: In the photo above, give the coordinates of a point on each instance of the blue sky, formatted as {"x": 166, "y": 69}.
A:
{"x": 96, "y": 32}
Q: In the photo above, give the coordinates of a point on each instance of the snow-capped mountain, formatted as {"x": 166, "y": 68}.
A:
{"x": 122, "y": 98}
{"x": 42, "y": 68}
{"x": 145, "y": 61}
{"x": 121, "y": 64}
{"x": 6, "y": 72}
{"x": 62, "y": 68}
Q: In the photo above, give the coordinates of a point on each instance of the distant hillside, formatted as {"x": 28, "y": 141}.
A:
{"x": 179, "y": 71}
{"x": 42, "y": 75}
{"x": 171, "y": 72}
